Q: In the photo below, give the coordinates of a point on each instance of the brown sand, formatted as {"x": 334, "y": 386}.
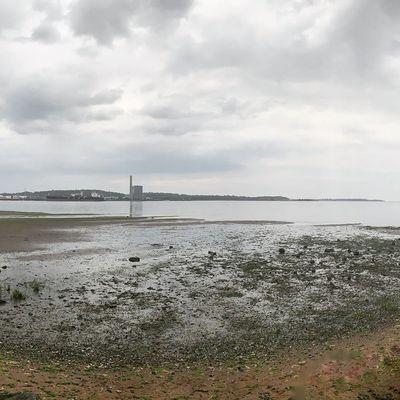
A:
{"x": 366, "y": 367}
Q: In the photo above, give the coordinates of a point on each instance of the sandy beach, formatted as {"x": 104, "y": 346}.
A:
{"x": 212, "y": 309}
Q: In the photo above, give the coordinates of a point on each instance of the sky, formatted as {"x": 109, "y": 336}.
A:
{"x": 263, "y": 97}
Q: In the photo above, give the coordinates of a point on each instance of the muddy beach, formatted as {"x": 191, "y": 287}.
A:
{"x": 222, "y": 293}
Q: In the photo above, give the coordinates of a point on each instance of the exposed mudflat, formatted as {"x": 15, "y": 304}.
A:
{"x": 76, "y": 295}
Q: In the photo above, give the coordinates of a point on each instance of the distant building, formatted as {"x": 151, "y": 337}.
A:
{"x": 138, "y": 193}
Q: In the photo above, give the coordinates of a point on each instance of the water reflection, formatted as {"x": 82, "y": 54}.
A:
{"x": 135, "y": 209}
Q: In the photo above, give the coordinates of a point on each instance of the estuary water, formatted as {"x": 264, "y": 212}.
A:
{"x": 300, "y": 212}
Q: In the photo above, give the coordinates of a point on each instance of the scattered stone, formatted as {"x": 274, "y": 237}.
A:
{"x": 281, "y": 250}
{"x": 171, "y": 247}
{"x": 2, "y": 302}
{"x": 212, "y": 253}
{"x": 4, "y": 267}
{"x": 134, "y": 259}
{"x": 329, "y": 250}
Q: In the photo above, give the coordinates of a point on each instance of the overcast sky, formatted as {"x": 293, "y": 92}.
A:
{"x": 276, "y": 97}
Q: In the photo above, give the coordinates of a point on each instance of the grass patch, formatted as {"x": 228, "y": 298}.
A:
{"x": 17, "y": 295}
{"x": 35, "y": 286}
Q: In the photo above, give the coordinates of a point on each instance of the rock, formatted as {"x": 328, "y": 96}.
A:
{"x": 134, "y": 259}
{"x": 171, "y": 247}
{"x": 4, "y": 267}
{"x": 356, "y": 253}
{"x": 329, "y": 250}
{"x": 2, "y": 302}
{"x": 212, "y": 253}
{"x": 281, "y": 250}
{"x": 18, "y": 396}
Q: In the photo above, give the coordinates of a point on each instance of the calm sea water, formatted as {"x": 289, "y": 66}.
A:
{"x": 369, "y": 213}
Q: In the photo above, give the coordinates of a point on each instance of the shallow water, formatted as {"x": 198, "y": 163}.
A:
{"x": 368, "y": 213}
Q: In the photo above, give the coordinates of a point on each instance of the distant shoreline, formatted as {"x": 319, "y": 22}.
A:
{"x": 88, "y": 195}
{"x": 200, "y": 199}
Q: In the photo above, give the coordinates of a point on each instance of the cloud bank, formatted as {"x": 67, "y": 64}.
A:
{"x": 297, "y": 98}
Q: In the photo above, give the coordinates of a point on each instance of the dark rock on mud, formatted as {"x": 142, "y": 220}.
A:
{"x": 18, "y": 396}
{"x": 134, "y": 259}
{"x": 281, "y": 250}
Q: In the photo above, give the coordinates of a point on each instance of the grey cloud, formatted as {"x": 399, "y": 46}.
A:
{"x": 161, "y": 14}
{"x": 47, "y": 33}
{"x": 52, "y": 8}
{"x": 167, "y": 156}
{"x": 177, "y": 108}
{"x": 38, "y": 101}
{"x": 390, "y": 7}
{"x": 172, "y": 158}
{"x": 183, "y": 107}
{"x": 104, "y": 115}
{"x": 105, "y": 97}
{"x": 164, "y": 112}
{"x": 182, "y": 114}
{"x": 13, "y": 13}
{"x": 175, "y": 115}
{"x": 350, "y": 47}
{"x": 173, "y": 127}
{"x": 173, "y": 161}
{"x": 106, "y": 20}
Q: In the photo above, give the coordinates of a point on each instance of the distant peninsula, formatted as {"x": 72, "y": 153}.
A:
{"x": 95, "y": 194}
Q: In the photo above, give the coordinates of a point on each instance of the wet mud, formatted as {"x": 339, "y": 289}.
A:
{"x": 200, "y": 292}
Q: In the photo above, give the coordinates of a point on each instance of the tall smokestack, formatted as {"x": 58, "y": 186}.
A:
{"x": 130, "y": 188}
